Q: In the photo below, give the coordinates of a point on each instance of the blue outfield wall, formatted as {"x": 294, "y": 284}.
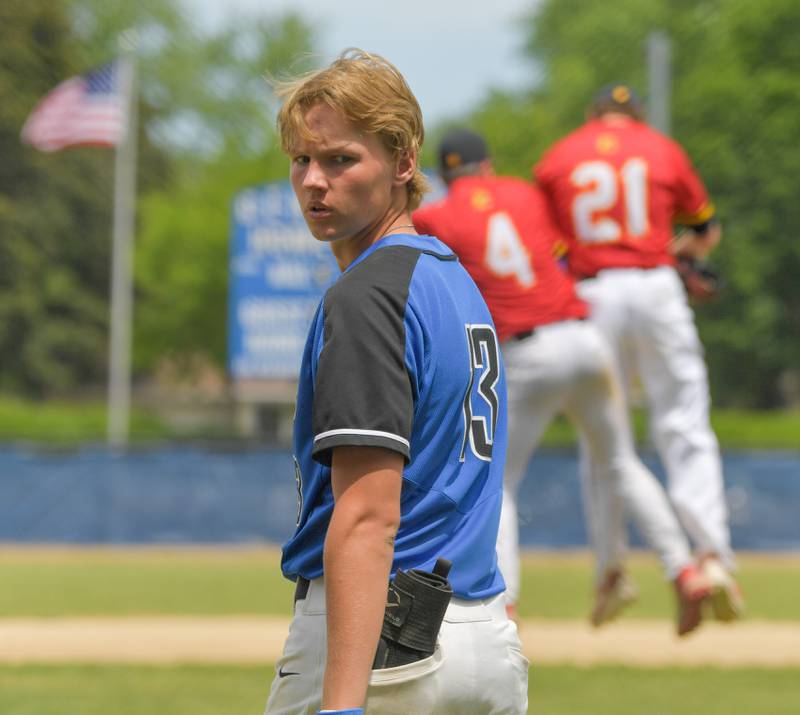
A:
{"x": 189, "y": 495}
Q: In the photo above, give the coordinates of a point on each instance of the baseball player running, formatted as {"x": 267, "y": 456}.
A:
{"x": 615, "y": 187}
{"x": 555, "y": 361}
{"x": 400, "y": 431}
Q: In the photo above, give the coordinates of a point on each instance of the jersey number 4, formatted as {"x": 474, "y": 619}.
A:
{"x": 505, "y": 253}
{"x": 600, "y": 183}
{"x": 484, "y": 360}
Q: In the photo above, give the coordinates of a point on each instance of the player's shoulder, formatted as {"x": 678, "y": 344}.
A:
{"x": 659, "y": 146}
{"x": 386, "y": 273}
{"x": 388, "y": 269}
{"x": 515, "y": 191}
{"x": 562, "y": 151}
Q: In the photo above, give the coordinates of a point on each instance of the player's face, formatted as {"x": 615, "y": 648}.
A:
{"x": 346, "y": 181}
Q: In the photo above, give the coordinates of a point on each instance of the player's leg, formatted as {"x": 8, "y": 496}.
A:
{"x": 535, "y": 392}
{"x": 672, "y": 367}
{"x": 609, "y": 314}
{"x": 597, "y": 406}
{"x": 479, "y": 668}
{"x": 674, "y": 375}
{"x": 297, "y": 686}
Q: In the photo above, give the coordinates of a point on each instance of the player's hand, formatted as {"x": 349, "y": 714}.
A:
{"x": 690, "y": 244}
{"x": 702, "y": 281}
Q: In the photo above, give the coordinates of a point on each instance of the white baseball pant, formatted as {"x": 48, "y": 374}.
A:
{"x": 647, "y": 320}
{"x": 568, "y": 367}
{"x": 477, "y": 669}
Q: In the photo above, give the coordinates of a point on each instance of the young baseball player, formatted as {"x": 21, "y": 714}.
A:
{"x": 555, "y": 361}
{"x": 616, "y": 187}
{"x": 400, "y": 431}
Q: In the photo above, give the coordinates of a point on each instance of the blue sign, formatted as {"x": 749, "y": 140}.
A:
{"x": 278, "y": 274}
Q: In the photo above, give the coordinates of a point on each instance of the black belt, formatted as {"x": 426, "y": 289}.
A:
{"x": 301, "y": 588}
{"x": 587, "y": 277}
{"x": 524, "y": 335}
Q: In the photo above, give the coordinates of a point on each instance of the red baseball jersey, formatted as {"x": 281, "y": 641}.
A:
{"x": 502, "y": 232}
{"x": 615, "y": 188}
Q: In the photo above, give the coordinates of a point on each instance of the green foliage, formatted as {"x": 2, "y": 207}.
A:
{"x": 55, "y": 219}
{"x": 205, "y": 131}
{"x": 735, "y": 429}
{"x": 64, "y": 422}
{"x": 736, "y": 97}
{"x": 52, "y": 252}
{"x": 205, "y": 88}
{"x": 56, "y": 423}
{"x": 182, "y": 260}
{"x": 211, "y": 108}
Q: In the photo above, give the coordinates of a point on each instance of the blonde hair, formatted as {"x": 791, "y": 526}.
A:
{"x": 371, "y": 94}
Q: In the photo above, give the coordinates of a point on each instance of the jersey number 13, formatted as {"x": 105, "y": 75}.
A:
{"x": 484, "y": 358}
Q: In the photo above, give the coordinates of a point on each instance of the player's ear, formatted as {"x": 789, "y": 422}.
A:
{"x": 405, "y": 166}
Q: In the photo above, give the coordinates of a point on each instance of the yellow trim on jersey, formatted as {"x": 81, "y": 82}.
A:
{"x": 560, "y": 248}
{"x": 705, "y": 212}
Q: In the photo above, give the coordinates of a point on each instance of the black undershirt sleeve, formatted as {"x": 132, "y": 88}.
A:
{"x": 363, "y": 392}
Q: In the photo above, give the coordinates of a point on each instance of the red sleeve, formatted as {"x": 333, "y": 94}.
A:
{"x": 692, "y": 205}
{"x": 540, "y": 172}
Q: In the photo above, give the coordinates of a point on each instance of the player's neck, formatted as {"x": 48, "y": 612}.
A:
{"x": 347, "y": 250}
{"x": 615, "y": 118}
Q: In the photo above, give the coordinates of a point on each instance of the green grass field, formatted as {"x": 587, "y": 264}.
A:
{"x": 59, "y": 582}
{"x": 226, "y": 690}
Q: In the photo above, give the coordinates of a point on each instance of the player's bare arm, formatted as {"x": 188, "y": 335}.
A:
{"x": 358, "y": 557}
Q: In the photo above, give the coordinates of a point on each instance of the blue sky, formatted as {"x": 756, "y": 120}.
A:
{"x": 451, "y": 52}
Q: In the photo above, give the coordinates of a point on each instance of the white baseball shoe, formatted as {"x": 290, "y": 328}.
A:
{"x": 727, "y": 603}
{"x": 613, "y": 595}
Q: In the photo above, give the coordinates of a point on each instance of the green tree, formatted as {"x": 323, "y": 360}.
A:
{"x": 182, "y": 262}
{"x": 212, "y": 110}
{"x": 736, "y": 98}
{"x": 205, "y": 115}
{"x": 53, "y": 228}
{"x": 55, "y": 217}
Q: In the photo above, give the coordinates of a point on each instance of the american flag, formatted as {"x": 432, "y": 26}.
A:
{"x": 87, "y": 109}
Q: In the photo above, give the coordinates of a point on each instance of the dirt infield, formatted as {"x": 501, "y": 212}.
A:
{"x": 165, "y": 640}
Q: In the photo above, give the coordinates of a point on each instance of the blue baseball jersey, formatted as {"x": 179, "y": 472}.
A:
{"x": 402, "y": 354}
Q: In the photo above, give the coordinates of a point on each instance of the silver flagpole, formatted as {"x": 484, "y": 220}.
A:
{"x": 659, "y": 67}
{"x": 119, "y": 360}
